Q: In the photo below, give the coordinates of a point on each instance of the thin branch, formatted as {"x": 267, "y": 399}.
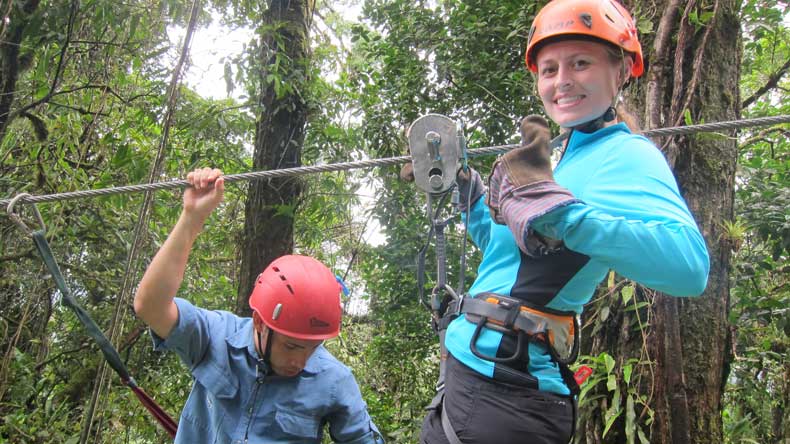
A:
{"x": 14, "y": 257}
{"x": 684, "y": 36}
{"x": 692, "y": 87}
{"x": 92, "y": 86}
{"x": 82, "y": 111}
{"x": 773, "y": 81}
{"x": 763, "y": 136}
{"x": 43, "y": 364}
{"x": 61, "y": 58}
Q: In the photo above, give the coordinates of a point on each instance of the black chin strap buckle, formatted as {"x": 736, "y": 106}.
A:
{"x": 261, "y": 371}
{"x": 594, "y": 125}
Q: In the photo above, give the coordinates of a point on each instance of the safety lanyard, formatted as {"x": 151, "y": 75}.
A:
{"x": 93, "y": 330}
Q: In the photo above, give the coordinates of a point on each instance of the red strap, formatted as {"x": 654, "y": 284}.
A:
{"x": 160, "y": 415}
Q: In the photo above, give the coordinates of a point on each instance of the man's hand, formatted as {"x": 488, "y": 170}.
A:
{"x": 206, "y": 192}
{"x": 153, "y": 301}
{"x": 526, "y": 165}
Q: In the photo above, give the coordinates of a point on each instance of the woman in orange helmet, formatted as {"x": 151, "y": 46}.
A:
{"x": 549, "y": 236}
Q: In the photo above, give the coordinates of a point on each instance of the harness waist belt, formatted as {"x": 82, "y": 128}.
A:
{"x": 558, "y": 330}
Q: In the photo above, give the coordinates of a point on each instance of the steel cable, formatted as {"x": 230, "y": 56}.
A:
{"x": 371, "y": 163}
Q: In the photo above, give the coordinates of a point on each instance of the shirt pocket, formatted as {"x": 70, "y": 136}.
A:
{"x": 298, "y": 427}
{"x": 218, "y": 382}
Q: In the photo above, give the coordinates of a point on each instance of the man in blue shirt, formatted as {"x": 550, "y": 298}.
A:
{"x": 265, "y": 379}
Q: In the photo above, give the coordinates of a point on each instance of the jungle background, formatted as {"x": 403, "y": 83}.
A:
{"x": 92, "y": 96}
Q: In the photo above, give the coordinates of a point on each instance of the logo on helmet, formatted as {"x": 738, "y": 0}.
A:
{"x": 557, "y": 26}
{"x": 317, "y": 323}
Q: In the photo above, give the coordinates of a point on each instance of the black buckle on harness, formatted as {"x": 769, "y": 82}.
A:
{"x": 505, "y": 360}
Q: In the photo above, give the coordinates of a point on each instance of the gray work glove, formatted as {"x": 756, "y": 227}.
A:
{"x": 521, "y": 187}
{"x": 528, "y": 164}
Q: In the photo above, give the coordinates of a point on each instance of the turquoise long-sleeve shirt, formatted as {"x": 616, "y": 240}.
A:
{"x": 630, "y": 218}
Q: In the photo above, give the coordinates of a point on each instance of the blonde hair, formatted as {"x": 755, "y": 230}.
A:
{"x": 618, "y": 56}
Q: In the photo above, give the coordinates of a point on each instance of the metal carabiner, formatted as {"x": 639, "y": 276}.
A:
{"x": 17, "y": 219}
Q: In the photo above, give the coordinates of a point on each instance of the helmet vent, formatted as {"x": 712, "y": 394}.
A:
{"x": 610, "y": 19}
{"x": 278, "y": 270}
{"x": 288, "y": 286}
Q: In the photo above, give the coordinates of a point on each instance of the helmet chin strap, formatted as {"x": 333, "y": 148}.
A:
{"x": 587, "y": 127}
{"x": 594, "y": 125}
{"x": 264, "y": 367}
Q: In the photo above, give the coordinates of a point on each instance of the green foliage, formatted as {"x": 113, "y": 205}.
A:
{"x": 100, "y": 125}
{"x": 757, "y": 396}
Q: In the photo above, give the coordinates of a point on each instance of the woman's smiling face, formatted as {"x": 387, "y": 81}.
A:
{"x": 578, "y": 80}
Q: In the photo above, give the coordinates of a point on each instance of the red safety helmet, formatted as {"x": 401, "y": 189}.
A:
{"x": 299, "y": 297}
{"x": 606, "y": 20}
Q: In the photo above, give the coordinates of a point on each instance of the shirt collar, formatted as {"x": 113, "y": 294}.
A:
{"x": 242, "y": 339}
{"x": 579, "y": 138}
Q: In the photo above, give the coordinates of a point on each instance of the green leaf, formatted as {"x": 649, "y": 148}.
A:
{"x": 645, "y": 27}
{"x": 630, "y": 419}
{"x": 687, "y": 117}
{"x": 608, "y": 362}
{"x": 611, "y": 382}
{"x": 641, "y": 434}
{"x": 627, "y": 369}
{"x": 627, "y": 292}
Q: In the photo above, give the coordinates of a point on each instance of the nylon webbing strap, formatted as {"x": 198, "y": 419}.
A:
{"x": 449, "y": 431}
{"x": 93, "y": 330}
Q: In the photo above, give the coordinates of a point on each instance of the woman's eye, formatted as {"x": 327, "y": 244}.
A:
{"x": 581, "y": 64}
{"x": 547, "y": 71}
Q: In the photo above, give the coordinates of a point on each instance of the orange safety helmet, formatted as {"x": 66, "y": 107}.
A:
{"x": 299, "y": 297}
{"x": 605, "y": 20}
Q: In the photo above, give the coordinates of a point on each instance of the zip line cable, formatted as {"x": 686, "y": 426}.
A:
{"x": 342, "y": 166}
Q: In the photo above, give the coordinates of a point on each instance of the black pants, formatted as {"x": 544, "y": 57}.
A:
{"x": 483, "y": 410}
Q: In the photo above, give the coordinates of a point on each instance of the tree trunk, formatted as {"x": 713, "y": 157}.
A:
{"x": 694, "y": 71}
{"x": 12, "y": 31}
{"x": 279, "y": 136}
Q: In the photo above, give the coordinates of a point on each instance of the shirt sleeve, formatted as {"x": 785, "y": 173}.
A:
{"x": 350, "y": 423}
{"x": 190, "y": 337}
{"x": 479, "y": 222}
{"x": 633, "y": 219}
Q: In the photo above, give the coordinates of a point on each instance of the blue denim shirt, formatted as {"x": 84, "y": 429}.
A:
{"x": 229, "y": 404}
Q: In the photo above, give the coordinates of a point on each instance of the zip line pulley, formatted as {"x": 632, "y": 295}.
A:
{"x": 438, "y": 150}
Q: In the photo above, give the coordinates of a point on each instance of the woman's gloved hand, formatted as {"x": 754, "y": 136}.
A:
{"x": 526, "y": 165}
{"x": 521, "y": 188}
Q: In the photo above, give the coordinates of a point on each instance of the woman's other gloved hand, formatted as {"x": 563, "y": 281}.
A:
{"x": 468, "y": 181}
